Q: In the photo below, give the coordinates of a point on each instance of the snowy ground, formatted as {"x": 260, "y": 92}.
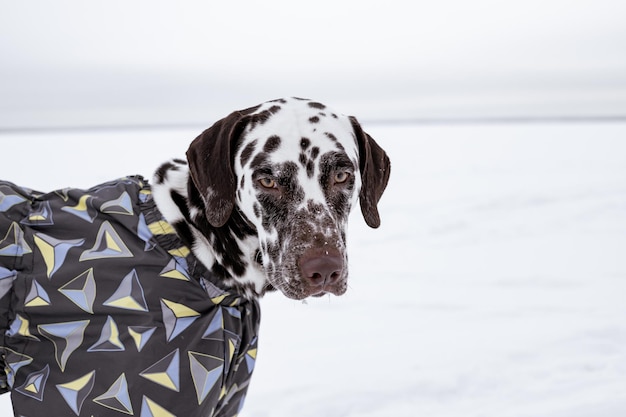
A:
{"x": 495, "y": 287}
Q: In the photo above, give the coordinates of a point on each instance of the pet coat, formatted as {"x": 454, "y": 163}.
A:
{"x": 105, "y": 312}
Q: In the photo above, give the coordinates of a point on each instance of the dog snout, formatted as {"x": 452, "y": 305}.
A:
{"x": 321, "y": 268}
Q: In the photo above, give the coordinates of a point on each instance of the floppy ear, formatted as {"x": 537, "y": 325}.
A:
{"x": 210, "y": 165}
{"x": 375, "y": 169}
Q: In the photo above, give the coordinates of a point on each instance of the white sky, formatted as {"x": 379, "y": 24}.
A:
{"x": 73, "y": 62}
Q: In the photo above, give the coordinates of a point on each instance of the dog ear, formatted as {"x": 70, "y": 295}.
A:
{"x": 210, "y": 166}
{"x": 375, "y": 169}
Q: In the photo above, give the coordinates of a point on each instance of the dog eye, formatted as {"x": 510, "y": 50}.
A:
{"x": 341, "y": 177}
{"x": 267, "y": 182}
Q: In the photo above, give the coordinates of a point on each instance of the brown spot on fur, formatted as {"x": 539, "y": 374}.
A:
{"x": 263, "y": 116}
{"x": 307, "y": 163}
{"x": 273, "y": 142}
{"x": 334, "y": 139}
{"x": 258, "y": 160}
{"x": 317, "y": 105}
{"x": 305, "y": 143}
{"x": 247, "y": 152}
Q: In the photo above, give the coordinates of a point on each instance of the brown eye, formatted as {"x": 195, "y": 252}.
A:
{"x": 267, "y": 183}
{"x": 341, "y": 177}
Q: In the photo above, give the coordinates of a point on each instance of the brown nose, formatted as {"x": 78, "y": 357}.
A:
{"x": 321, "y": 269}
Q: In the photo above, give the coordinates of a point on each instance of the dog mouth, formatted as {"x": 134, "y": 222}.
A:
{"x": 327, "y": 290}
{"x": 306, "y": 260}
{"x": 300, "y": 292}
{"x": 315, "y": 273}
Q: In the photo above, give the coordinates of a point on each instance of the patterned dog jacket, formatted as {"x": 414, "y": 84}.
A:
{"x": 105, "y": 312}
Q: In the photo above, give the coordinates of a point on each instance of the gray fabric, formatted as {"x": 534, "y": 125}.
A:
{"x": 104, "y": 312}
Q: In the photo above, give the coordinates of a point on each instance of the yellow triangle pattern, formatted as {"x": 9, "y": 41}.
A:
{"x": 161, "y": 227}
{"x": 115, "y": 335}
{"x": 31, "y": 388}
{"x": 180, "y": 310}
{"x": 23, "y": 330}
{"x": 174, "y": 274}
{"x": 47, "y": 251}
{"x": 136, "y": 337}
{"x": 82, "y": 204}
{"x": 155, "y": 409}
{"x": 218, "y": 299}
{"x": 161, "y": 378}
{"x": 79, "y": 383}
{"x": 252, "y": 353}
{"x": 37, "y": 302}
{"x": 231, "y": 347}
{"x": 127, "y": 302}
{"x": 111, "y": 243}
{"x": 181, "y": 252}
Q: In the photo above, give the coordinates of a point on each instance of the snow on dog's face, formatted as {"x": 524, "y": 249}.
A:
{"x": 294, "y": 170}
{"x": 298, "y": 174}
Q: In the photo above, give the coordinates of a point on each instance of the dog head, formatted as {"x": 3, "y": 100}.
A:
{"x": 293, "y": 169}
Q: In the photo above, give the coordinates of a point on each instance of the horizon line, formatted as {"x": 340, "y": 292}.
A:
{"x": 400, "y": 121}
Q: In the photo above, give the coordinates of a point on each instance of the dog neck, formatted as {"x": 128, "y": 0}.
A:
{"x": 230, "y": 252}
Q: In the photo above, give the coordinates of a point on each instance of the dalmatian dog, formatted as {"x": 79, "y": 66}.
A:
{"x": 141, "y": 297}
{"x": 264, "y": 196}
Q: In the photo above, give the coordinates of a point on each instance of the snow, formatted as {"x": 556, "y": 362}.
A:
{"x": 495, "y": 286}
